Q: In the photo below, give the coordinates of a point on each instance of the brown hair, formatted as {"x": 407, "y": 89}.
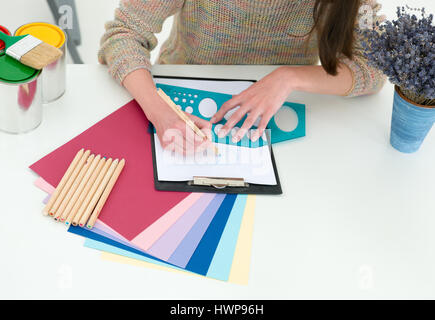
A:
{"x": 334, "y": 21}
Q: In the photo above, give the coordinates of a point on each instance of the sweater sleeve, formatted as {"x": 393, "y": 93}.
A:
{"x": 129, "y": 38}
{"x": 366, "y": 79}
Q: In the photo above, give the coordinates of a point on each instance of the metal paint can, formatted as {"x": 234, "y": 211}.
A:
{"x": 5, "y": 30}
{"x": 54, "y": 75}
{"x": 20, "y": 96}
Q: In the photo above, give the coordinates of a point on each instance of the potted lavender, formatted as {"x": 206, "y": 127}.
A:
{"x": 404, "y": 50}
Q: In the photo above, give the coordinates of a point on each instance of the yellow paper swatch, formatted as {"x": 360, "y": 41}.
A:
{"x": 242, "y": 257}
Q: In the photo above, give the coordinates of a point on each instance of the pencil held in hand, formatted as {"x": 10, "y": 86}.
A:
{"x": 185, "y": 118}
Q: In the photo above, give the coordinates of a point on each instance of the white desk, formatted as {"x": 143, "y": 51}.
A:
{"x": 357, "y": 218}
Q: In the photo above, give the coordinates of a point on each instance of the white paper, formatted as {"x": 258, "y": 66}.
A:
{"x": 254, "y": 165}
{"x": 226, "y": 87}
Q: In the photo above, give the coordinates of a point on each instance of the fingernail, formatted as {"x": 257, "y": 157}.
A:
{"x": 236, "y": 139}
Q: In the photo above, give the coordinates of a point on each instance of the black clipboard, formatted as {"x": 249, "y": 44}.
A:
{"x": 186, "y": 186}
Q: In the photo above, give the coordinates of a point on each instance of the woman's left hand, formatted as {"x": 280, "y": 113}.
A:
{"x": 262, "y": 100}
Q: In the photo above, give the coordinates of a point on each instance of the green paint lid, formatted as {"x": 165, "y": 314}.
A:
{"x": 13, "y": 71}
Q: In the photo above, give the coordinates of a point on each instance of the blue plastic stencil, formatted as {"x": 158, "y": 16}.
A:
{"x": 204, "y": 104}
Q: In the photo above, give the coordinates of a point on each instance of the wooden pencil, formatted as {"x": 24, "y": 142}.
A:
{"x": 54, "y": 211}
{"x": 185, "y": 118}
{"x": 79, "y": 207}
{"x": 69, "y": 215}
{"x": 69, "y": 183}
{"x": 62, "y": 182}
{"x": 61, "y": 210}
{"x": 84, "y": 207}
{"x": 105, "y": 195}
{"x": 98, "y": 193}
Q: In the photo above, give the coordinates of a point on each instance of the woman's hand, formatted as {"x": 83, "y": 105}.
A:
{"x": 175, "y": 135}
{"x": 173, "y": 132}
{"x": 262, "y": 100}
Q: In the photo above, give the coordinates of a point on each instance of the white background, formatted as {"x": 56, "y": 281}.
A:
{"x": 359, "y": 218}
{"x": 94, "y": 13}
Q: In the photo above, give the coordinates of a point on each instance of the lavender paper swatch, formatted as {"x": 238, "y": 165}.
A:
{"x": 185, "y": 250}
{"x": 168, "y": 243}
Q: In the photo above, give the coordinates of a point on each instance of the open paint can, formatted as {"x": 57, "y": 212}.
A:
{"x": 20, "y": 96}
{"x": 54, "y": 75}
{"x": 2, "y": 44}
{"x": 5, "y": 30}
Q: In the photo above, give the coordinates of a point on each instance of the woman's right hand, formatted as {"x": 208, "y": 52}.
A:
{"x": 175, "y": 135}
{"x": 173, "y": 132}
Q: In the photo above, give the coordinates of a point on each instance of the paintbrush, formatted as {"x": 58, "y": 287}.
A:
{"x": 30, "y": 51}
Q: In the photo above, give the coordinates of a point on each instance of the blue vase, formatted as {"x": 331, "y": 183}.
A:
{"x": 410, "y": 124}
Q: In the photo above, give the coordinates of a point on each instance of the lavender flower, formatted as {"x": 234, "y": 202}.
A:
{"x": 404, "y": 50}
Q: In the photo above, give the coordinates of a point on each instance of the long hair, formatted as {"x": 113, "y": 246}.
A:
{"x": 334, "y": 22}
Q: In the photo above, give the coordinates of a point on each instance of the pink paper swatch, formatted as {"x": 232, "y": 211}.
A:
{"x": 150, "y": 235}
{"x": 44, "y": 186}
{"x": 134, "y": 204}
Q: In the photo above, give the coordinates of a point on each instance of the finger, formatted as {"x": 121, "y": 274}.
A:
{"x": 205, "y": 127}
{"x": 201, "y": 123}
{"x": 227, "y": 106}
{"x": 249, "y": 122}
{"x": 187, "y": 134}
{"x": 189, "y": 141}
{"x": 174, "y": 143}
{"x": 235, "y": 118}
{"x": 262, "y": 126}
{"x": 180, "y": 142}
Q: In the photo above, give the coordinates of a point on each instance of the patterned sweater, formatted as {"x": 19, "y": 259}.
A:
{"x": 266, "y": 32}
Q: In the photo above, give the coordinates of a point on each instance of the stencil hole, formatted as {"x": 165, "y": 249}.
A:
{"x": 286, "y": 119}
{"x": 207, "y": 107}
{"x": 189, "y": 110}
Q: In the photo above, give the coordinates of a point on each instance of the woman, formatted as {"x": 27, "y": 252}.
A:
{"x": 267, "y": 32}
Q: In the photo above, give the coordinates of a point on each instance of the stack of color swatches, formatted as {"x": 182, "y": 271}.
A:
{"x": 204, "y": 234}
{"x": 84, "y": 189}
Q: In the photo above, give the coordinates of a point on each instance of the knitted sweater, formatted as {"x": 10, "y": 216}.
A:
{"x": 266, "y": 32}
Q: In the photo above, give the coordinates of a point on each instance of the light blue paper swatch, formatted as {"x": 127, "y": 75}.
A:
{"x": 221, "y": 264}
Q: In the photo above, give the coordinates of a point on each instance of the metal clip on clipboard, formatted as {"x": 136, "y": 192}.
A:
{"x": 219, "y": 183}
